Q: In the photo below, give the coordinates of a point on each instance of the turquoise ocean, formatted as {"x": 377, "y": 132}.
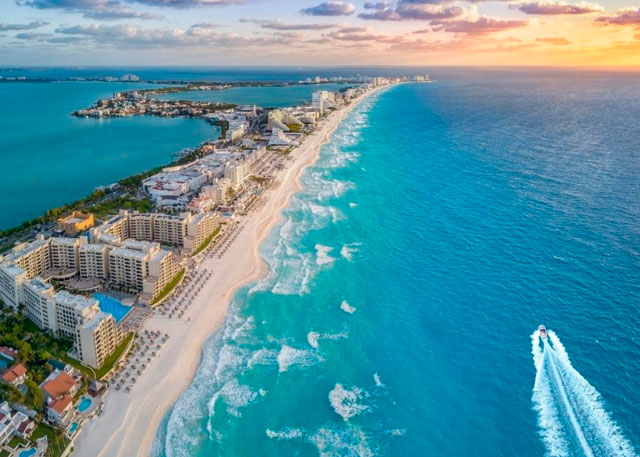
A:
{"x": 440, "y": 226}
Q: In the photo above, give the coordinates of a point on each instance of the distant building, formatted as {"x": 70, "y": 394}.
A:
{"x": 76, "y": 222}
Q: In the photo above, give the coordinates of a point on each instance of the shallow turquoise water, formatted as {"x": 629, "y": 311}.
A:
{"x": 268, "y": 96}
{"x": 50, "y": 158}
{"x": 439, "y": 227}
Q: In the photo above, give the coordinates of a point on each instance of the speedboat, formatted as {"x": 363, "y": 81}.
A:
{"x": 542, "y": 331}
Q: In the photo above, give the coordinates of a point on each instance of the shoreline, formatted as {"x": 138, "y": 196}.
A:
{"x": 129, "y": 422}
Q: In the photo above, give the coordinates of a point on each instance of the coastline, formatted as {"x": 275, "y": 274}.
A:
{"x": 129, "y": 422}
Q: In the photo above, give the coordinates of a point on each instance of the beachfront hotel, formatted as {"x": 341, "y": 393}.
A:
{"x": 94, "y": 333}
{"x": 185, "y": 231}
{"x": 94, "y": 261}
{"x": 142, "y": 267}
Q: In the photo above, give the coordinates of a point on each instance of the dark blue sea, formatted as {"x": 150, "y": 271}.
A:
{"x": 441, "y": 225}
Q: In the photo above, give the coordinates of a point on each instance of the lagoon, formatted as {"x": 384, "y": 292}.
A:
{"x": 50, "y": 158}
{"x": 267, "y": 96}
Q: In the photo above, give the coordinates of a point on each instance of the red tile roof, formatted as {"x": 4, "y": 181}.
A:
{"x": 13, "y": 373}
{"x": 60, "y": 404}
{"x": 61, "y": 385}
{"x": 9, "y": 352}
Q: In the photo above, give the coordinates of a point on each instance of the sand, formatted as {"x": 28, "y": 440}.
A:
{"x": 129, "y": 421}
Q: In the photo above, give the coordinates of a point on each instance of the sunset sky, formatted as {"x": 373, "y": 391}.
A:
{"x": 308, "y": 32}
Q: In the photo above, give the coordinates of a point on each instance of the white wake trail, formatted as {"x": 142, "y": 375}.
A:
{"x": 571, "y": 413}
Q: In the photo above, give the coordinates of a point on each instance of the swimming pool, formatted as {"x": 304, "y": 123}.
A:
{"x": 112, "y": 306}
{"x": 84, "y": 404}
{"x": 73, "y": 428}
{"x": 27, "y": 452}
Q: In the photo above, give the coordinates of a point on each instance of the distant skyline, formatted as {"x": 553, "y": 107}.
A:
{"x": 314, "y": 33}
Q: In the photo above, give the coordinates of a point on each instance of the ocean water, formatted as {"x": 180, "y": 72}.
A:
{"x": 50, "y": 158}
{"x": 274, "y": 96}
{"x": 441, "y": 225}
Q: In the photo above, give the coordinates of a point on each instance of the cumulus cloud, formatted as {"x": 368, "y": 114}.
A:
{"x": 6, "y": 26}
{"x": 330, "y": 8}
{"x": 422, "y": 10}
{"x": 554, "y": 40}
{"x": 546, "y": 7}
{"x": 481, "y": 25}
{"x": 102, "y": 10}
{"x": 133, "y": 36}
{"x": 355, "y": 33}
{"x": 33, "y": 36}
{"x": 189, "y": 3}
{"x": 376, "y": 5}
{"x": 279, "y": 25}
{"x": 624, "y": 16}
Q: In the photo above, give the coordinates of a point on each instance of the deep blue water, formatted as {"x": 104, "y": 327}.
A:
{"x": 442, "y": 224}
{"x": 50, "y": 158}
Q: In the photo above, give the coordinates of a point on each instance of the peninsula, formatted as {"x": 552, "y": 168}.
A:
{"x": 147, "y": 285}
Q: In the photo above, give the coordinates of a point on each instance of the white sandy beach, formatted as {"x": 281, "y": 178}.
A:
{"x": 129, "y": 421}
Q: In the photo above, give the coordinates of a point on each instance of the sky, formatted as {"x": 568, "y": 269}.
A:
{"x": 316, "y": 33}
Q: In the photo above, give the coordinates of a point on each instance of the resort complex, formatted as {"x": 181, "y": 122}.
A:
{"x": 89, "y": 282}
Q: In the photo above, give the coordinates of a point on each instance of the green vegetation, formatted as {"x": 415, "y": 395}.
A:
{"x": 35, "y": 348}
{"x": 106, "y": 366}
{"x": 16, "y": 441}
{"x": 169, "y": 287}
{"x": 56, "y": 439}
{"x": 4, "y": 453}
{"x": 113, "y": 205}
{"x": 259, "y": 179}
{"x": 294, "y": 127}
{"x": 206, "y": 242}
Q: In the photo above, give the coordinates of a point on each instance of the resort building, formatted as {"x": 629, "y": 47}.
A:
{"x": 182, "y": 231}
{"x": 65, "y": 256}
{"x": 281, "y": 119}
{"x": 141, "y": 226}
{"x": 97, "y": 338}
{"x": 11, "y": 279}
{"x": 70, "y": 311}
{"x": 94, "y": 261}
{"x": 236, "y": 171}
{"x": 34, "y": 257}
{"x": 113, "y": 232}
{"x": 39, "y": 303}
{"x": 199, "y": 228}
{"x": 142, "y": 267}
{"x": 76, "y": 222}
{"x": 218, "y": 191}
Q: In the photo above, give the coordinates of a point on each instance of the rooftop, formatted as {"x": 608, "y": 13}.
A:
{"x": 59, "y": 385}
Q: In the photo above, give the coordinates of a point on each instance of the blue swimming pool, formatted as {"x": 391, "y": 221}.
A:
{"x": 84, "y": 404}
{"x": 27, "y": 452}
{"x": 112, "y": 306}
{"x": 73, "y": 428}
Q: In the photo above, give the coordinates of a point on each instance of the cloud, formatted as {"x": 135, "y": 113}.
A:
{"x": 32, "y": 36}
{"x": 546, "y": 7}
{"x": 5, "y": 26}
{"x": 624, "y": 16}
{"x": 189, "y": 3}
{"x": 376, "y": 6}
{"x": 554, "y": 40}
{"x": 279, "y": 25}
{"x": 355, "y": 33}
{"x": 421, "y": 10}
{"x": 117, "y": 14}
{"x": 481, "y": 25}
{"x": 132, "y": 36}
{"x": 102, "y": 10}
{"x": 330, "y": 8}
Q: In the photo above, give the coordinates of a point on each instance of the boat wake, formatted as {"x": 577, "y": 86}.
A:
{"x": 571, "y": 415}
